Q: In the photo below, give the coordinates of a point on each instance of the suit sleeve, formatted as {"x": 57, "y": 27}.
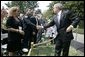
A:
{"x": 50, "y": 24}
{"x": 74, "y": 18}
{"x": 21, "y": 24}
{"x": 29, "y": 22}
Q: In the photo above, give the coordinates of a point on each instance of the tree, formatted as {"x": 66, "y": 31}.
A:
{"x": 47, "y": 14}
{"x": 23, "y": 5}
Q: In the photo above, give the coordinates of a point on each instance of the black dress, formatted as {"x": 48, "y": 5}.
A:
{"x": 14, "y": 38}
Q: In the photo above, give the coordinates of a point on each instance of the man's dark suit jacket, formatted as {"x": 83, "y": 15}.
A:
{"x": 67, "y": 18}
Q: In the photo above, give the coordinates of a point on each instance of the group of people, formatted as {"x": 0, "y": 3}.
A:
{"x": 22, "y": 31}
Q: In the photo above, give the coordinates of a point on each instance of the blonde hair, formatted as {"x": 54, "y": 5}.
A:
{"x": 12, "y": 10}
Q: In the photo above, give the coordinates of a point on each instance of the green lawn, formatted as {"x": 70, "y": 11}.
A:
{"x": 74, "y": 52}
{"x": 44, "y": 50}
{"x": 49, "y": 50}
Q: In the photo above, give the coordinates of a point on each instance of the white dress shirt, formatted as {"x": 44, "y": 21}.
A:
{"x": 58, "y": 16}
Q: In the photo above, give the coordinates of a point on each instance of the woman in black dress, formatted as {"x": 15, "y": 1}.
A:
{"x": 14, "y": 31}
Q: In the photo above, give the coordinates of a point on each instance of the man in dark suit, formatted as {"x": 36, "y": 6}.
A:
{"x": 64, "y": 21}
{"x": 28, "y": 29}
{"x": 34, "y": 29}
{"x": 42, "y": 22}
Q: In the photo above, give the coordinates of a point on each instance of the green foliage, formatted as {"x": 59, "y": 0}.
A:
{"x": 81, "y": 24}
{"x": 47, "y": 14}
{"x": 23, "y": 5}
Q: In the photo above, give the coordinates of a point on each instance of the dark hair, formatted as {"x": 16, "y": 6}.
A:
{"x": 38, "y": 11}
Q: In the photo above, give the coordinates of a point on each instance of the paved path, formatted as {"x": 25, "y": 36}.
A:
{"x": 78, "y": 43}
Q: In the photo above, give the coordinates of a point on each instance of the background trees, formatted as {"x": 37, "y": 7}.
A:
{"x": 23, "y": 5}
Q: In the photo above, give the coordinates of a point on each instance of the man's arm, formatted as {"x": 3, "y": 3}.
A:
{"x": 29, "y": 22}
{"x": 50, "y": 24}
{"x": 75, "y": 20}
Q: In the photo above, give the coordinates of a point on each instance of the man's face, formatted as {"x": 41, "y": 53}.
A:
{"x": 55, "y": 9}
{"x": 4, "y": 13}
{"x": 29, "y": 12}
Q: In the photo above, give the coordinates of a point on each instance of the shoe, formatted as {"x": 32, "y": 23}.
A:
{"x": 25, "y": 50}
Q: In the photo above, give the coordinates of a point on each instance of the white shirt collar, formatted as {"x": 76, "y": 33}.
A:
{"x": 26, "y": 16}
{"x": 59, "y": 12}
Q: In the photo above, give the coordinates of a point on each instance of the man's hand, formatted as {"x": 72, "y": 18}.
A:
{"x": 33, "y": 33}
{"x": 21, "y": 32}
{"x": 69, "y": 28}
{"x": 39, "y": 27}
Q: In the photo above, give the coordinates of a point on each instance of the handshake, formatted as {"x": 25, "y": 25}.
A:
{"x": 39, "y": 27}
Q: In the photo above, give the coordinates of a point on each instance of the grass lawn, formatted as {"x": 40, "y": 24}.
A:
{"x": 49, "y": 50}
{"x": 74, "y": 52}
